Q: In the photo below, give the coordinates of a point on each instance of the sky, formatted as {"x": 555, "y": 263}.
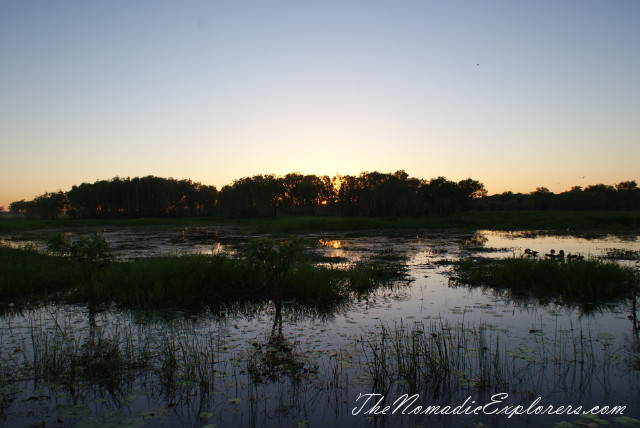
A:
{"x": 514, "y": 94}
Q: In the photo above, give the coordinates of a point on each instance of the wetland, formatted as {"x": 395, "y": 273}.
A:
{"x": 406, "y": 320}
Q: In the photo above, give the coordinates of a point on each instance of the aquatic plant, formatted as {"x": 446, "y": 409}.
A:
{"x": 27, "y": 272}
{"x": 439, "y": 359}
{"x": 265, "y": 271}
{"x": 564, "y": 282}
{"x": 73, "y": 356}
{"x": 620, "y": 254}
{"x": 434, "y": 357}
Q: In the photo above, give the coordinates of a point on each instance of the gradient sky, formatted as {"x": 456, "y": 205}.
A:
{"x": 218, "y": 90}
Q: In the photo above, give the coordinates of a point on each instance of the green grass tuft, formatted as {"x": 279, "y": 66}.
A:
{"x": 575, "y": 281}
{"x": 267, "y": 270}
{"x": 26, "y": 272}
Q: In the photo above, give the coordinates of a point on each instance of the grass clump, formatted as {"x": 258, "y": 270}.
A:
{"x": 266, "y": 270}
{"x": 27, "y": 272}
{"x": 189, "y": 280}
{"x": 441, "y": 359}
{"x": 102, "y": 357}
{"x": 434, "y": 357}
{"x": 364, "y": 275}
{"x": 575, "y": 281}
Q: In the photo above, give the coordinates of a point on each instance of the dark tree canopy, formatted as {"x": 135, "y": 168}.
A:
{"x": 367, "y": 194}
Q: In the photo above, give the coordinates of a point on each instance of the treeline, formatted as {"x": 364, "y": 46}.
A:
{"x": 124, "y": 198}
{"x": 625, "y": 196}
{"x": 367, "y": 194}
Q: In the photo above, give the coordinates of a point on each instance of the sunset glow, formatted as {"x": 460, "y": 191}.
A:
{"x": 514, "y": 95}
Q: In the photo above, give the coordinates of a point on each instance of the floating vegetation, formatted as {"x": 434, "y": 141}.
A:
{"x": 620, "y": 254}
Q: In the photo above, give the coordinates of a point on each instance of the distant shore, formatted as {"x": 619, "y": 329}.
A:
{"x": 570, "y": 222}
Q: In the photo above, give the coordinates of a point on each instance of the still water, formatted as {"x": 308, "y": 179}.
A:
{"x": 264, "y": 367}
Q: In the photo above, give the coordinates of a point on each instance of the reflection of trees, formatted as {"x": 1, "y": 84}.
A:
{"x": 276, "y": 358}
{"x": 477, "y": 240}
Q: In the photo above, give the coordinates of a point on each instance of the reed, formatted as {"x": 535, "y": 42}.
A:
{"x": 577, "y": 281}
{"x": 441, "y": 359}
{"x": 27, "y": 272}
{"x": 266, "y": 270}
{"x": 434, "y": 357}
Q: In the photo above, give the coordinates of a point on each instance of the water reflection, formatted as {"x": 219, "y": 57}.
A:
{"x": 282, "y": 364}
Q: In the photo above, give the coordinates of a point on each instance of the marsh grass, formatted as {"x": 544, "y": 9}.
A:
{"x": 577, "y": 281}
{"x": 265, "y": 271}
{"x": 74, "y": 358}
{"x": 184, "y": 360}
{"x": 179, "y": 362}
{"x": 380, "y": 269}
{"x": 27, "y": 272}
{"x": 17, "y": 224}
{"x": 433, "y": 358}
{"x": 184, "y": 281}
{"x": 576, "y": 221}
{"x": 78, "y": 355}
{"x": 66, "y": 358}
{"x": 441, "y": 359}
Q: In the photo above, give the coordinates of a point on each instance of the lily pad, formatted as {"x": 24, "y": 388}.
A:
{"x": 114, "y": 419}
{"x": 154, "y": 412}
{"x": 563, "y": 424}
{"x": 77, "y": 411}
{"x": 596, "y": 419}
{"x": 626, "y": 420}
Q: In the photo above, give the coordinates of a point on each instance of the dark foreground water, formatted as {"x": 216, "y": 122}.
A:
{"x": 67, "y": 365}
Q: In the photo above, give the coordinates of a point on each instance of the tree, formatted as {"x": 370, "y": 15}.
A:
{"x": 92, "y": 253}
{"x": 472, "y": 189}
{"x": 542, "y": 198}
{"x": 626, "y": 186}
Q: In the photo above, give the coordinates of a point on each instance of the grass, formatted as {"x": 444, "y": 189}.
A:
{"x": 562, "y": 221}
{"x": 78, "y": 355}
{"x": 197, "y": 281}
{"x": 442, "y": 360}
{"x": 577, "y": 281}
{"x": 434, "y": 357}
{"x": 81, "y": 364}
{"x": 18, "y": 224}
{"x": 105, "y": 358}
{"x": 26, "y": 272}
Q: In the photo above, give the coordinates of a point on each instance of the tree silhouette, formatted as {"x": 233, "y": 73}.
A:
{"x": 367, "y": 194}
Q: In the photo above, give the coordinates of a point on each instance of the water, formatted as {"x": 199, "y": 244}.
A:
{"x": 264, "y": 367}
